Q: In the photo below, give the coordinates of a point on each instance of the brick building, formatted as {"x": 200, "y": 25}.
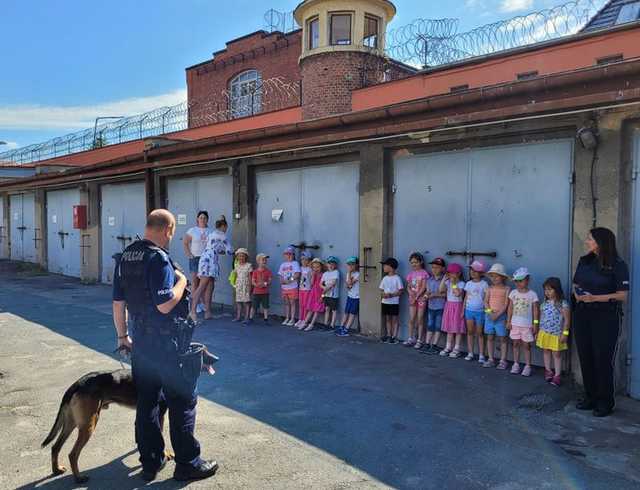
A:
{"x": 473, "y": 158}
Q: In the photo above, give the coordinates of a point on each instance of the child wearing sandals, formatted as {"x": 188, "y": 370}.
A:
{"x": 453, "y": 315}
{"x": 243, "y": 270}
{"x": 289, "y": 273}
{"x": 314, "y": 304}
{"x": 435, "y": 306}
{"x": 522, "y": 320}
{"x": 496, "y": 302}
{"x": 475, "y": 290}
{"x": 305, "y": 285}
{"x": 555, "y": 318}
{"x": 416, "y": 287}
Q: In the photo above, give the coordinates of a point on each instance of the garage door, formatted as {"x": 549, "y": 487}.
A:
{"x": 635, "y": 291}
{"x": 63, "y": 241}
{"x": 314, "y": 207}
{"x": 122, "y": 217}
{"x": 4, "y": 236}
{"x": 509, "y": 204}
{"x": 23, "y": 232}
{"x": 185, "y": 197}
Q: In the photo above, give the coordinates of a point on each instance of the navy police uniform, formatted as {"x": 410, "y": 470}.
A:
{"x": 597, "y": 326}
{"x": 144, "y": 278}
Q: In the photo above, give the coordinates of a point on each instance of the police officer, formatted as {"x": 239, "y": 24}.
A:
{"x": 601, "y": 285}
{"x": 149, "y": 287}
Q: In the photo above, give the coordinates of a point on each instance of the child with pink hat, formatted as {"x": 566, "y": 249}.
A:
{"x": 453, "y": 316}
{"x": 475, "y": 290}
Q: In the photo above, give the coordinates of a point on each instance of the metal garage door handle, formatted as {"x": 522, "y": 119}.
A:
{"x": 366, "y": 251}
{"x": 467, "y": 253}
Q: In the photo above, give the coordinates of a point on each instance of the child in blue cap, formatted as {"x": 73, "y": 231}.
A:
{"x": 352, "y": 308}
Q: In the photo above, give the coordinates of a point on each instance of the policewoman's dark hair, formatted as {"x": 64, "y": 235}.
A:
{"x": 222, "y": 221}
{"x": 418, "y": 256}
{"x": 202, "y": 213}
{"x": 555, "y": 284}
{"x": 607, "y": 251}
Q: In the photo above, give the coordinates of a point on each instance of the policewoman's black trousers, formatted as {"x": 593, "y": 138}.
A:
{"x": 596, "y": 329}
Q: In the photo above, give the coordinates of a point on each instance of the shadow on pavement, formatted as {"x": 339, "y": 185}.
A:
{"x": 401, "y": 417}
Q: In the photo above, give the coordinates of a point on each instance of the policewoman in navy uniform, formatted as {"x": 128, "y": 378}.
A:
{"x": 601, "y": 285}
{"x": 152, "y": 291}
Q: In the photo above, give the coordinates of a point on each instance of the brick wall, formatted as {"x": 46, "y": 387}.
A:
{"x": 272, "y": 54}
{"x": 329, "y": 78}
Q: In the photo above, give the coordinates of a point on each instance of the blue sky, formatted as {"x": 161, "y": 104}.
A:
{"x": 65, "y": 62}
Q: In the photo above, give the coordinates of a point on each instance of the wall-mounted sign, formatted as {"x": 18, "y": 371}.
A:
{"x": 54, "y": 218}
{"x": 112, "y": 221}
{"x": 182, "y": 219}
{"x": 276, "y": 214}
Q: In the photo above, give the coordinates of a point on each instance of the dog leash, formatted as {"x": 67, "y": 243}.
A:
{"x": 124, "y": 353}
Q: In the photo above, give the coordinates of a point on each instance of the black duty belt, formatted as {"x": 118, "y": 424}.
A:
{"x": 609, "y": 306}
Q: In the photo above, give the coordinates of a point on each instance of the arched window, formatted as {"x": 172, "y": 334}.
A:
{"x": 245, "y": 94}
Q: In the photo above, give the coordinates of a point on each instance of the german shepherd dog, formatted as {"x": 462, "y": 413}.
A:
{"x": 81, "y": 405}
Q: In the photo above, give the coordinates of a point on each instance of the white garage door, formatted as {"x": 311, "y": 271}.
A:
{"x": 635, "y": 291}
{"x": 508, "y": 204}
{"x": 122, "y": 217}
{"x": 185, "y": 197}
{"x": 63, "y": 241}
{"x": 313, "y": 207}
{"x": 23, "y": 233}
{"x": 3, "y": 231}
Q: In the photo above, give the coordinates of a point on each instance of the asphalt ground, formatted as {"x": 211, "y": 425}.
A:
{"x": 296, "y": 410}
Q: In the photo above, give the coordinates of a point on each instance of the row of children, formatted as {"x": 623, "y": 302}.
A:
{"x": 478, "y": 310}
{"x": 312, "y": 285}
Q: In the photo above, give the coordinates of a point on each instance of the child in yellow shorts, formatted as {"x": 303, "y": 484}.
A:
{"x": 555, "y": 318}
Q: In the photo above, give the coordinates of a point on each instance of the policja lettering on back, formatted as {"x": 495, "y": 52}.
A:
{"x": 163, "y": 364}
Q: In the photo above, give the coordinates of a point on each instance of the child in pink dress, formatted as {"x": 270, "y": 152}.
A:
{"x": 315, "y": 305}
{"x": 453, "y": 316}
{"x": 416, "y": 287}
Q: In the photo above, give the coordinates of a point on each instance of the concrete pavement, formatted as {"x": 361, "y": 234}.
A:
{"x": 293, "y": 410}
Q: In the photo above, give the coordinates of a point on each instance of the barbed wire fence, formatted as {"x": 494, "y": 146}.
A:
{"x": 268, "y": 95}
{"x": 421, "y": 44}
{"x": 431, "y": 42}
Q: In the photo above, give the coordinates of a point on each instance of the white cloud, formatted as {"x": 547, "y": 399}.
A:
{"x": 79, "y": 117}
{"x": 515, "y": 5}
{"x": 10, "y": 145}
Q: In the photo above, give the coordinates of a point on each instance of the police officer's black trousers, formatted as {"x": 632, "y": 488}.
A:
{"x": 596, "y": 332}
{"x": 156, "y": 373}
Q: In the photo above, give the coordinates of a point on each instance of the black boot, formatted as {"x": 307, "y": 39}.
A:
{"x": 204, "y": 469}
{"x": 585, "y": 404}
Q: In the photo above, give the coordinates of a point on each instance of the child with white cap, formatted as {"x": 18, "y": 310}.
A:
{"x": 330, "y": 283}
{"x": 496, "y": 302}
{"x": 289, "y": 273}
{"x": 243, "y": 269}
{"x": 523, "y": 318}
{"x": 475, "y": 290}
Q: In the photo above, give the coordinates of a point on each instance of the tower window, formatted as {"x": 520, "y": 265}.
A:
{"x": 313, "y": 28}
{"x": 340, "y": 29}
{"x": 370, "y": 32}
{"x": 245, "y": 94}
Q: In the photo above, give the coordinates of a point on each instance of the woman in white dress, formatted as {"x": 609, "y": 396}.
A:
{"x": 209, "y": 266}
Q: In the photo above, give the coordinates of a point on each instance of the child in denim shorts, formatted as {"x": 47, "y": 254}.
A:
{"x": 435, "y": 306}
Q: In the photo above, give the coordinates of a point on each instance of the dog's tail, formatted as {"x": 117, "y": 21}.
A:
{"x": 59, "y": 422}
